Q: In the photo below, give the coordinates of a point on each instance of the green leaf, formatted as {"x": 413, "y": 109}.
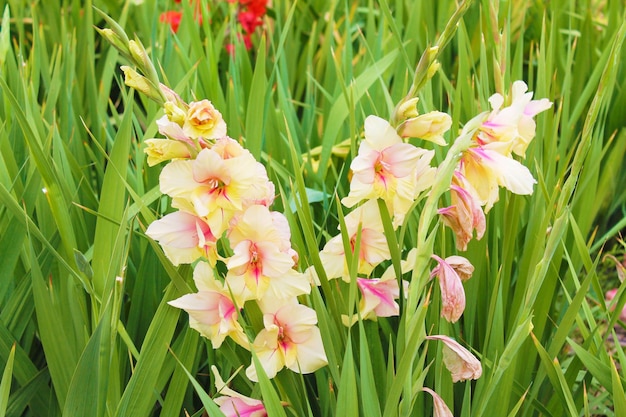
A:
{"x": 5, "y": 384}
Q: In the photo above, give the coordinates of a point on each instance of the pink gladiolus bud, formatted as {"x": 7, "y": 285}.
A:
{"x": 459, "y": 361}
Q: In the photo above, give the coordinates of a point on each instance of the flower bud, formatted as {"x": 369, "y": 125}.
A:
{"x": 408, "y": 109}
{"x": 114, "y": 40}
{"x": 430, "y": 126}
{"x": 140, "y": 83}
{"x": 159, "y": 150}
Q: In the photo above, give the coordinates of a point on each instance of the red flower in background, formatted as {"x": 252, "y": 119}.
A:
{"x": 173, "y": 17}
{"x": 249, "y": 15}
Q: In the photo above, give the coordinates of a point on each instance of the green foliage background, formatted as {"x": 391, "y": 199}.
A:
{"x": 76, "y": 196}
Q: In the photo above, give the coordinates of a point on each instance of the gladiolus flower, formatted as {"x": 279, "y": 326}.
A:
{"x": 212, "y": 187}
{"x": 439, "y": 406}
{"x": 290, "y": 339}
{"x": 159, "y": 150}
{"x": 184, "y": 238}
{"x": 378, "y": 298}
{"x": 452, "y": 292}
{"x": 459, "y": 361}
{"x": 211, "y": 310}
{"x": 262, "y": 255}
{"x": 382, "y": 162}
{"x": 373, "y": 245}
{"x": 234, "y": 404}
{"x": 511, "y": 129}
{"x": 430, "y": 126}
{"x": 486, "y": 169}
{"x": 204, "y": 121}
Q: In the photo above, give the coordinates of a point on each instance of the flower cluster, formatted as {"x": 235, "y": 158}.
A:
{"x": 223, "y": 196}
{"x": 488, "y": 163}
{"x": 241, "y": 250}
{"x": 250, "y": 16}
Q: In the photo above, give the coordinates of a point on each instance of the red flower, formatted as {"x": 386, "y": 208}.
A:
{"x": 249, "y": 21}
{"x": 172, "y": 18}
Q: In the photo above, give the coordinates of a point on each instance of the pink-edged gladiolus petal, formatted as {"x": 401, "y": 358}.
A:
{"x": 290, "y": 339}
{"x": 159, "y": 150}
{"x": 452, "y": 292}
{"x": 204, "y": 121}
{"x": 430, "y": 126}
{"x": 440, "y": 409}
{"x": 173, "y": 130}
{"x": 237, "y": 407}
{"x": 459, "y": 361}
{"x": 373, "y": 245}
{"x": 184, "y": 238}
{"x": 383, "y": 159}
{"x": 211, "y": 310}
{"x": 378, "y": 298}
{"x": 262, "y": 254}
{"x": 486, "y": 169}
{"x": 512, "y": 128}
{"x": 234, "y": 404}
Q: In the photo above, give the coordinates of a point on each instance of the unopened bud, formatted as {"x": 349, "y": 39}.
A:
{"x": 114, "y": 40}
{"x": 408, "y": 109}
{"x": 140, "y": 83}
{"x": 430, "y": 126}
{"x": 434, "y": 67}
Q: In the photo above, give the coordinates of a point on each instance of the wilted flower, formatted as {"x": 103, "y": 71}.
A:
{"x": 452, "y": 292}
{"x": 211, "y": 310}
{"x": 459, "y": 361}
{"x": 465, "y": 214}
{"x": 439, "y": 406}
{"x": 290, "y": 339}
